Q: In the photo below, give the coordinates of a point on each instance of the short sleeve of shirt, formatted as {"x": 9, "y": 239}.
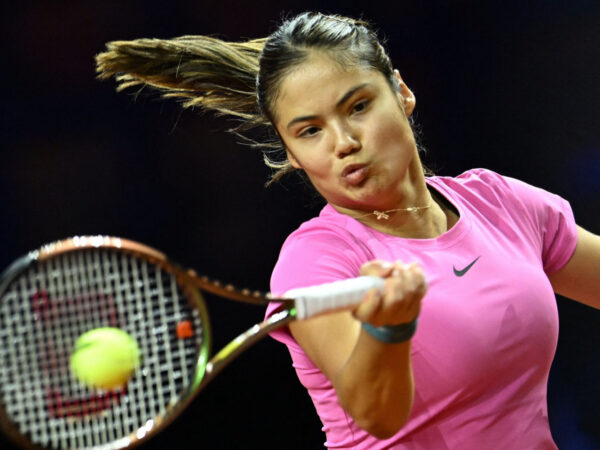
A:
{"x": 315, "y": 254}
{"x": 545, "y": 217}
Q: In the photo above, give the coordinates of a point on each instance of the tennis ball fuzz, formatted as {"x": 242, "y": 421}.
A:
{"x": 105, "y": 358}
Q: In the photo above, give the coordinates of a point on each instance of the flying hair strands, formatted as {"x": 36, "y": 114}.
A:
{"x": 201, "y": 71}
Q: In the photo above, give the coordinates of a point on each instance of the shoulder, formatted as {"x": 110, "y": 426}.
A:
{"x": 328, "y": 229}
{"x": 482, "y": 182}
{"x": 484, "y": 187}
{"x": 326, "y": 248}
{"x": 543, "y": 219}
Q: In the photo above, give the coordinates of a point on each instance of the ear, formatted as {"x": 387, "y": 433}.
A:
{"x": 293, "y": 161}
{"x": 406, "y": 96}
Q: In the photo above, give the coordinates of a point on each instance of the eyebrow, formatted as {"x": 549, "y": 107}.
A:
{"x": 339, "y": 103}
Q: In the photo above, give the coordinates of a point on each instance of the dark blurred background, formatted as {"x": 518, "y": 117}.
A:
{"x": 512, "y": 86}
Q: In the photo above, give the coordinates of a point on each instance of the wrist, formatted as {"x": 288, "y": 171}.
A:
{"x": 392, "y": 334}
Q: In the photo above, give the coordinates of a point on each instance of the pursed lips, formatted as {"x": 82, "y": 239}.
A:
{"x": 355, "y": 173}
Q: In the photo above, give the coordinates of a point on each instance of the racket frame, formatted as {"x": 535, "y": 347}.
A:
{"x": 191, "y": 284}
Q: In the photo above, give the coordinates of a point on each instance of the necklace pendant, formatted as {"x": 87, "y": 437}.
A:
{"x": 381, "y": 215}
{"x": 412, "y": 209}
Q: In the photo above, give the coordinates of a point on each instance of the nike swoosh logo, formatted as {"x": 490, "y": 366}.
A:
{"x": 460, "y": 273}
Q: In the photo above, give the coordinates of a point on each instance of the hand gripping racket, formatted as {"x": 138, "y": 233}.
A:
{"x": 51, "y": 296}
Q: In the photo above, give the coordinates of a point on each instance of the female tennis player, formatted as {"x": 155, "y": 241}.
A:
{"x": 455, "y": 351}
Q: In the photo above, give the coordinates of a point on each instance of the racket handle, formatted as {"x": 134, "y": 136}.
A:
{"x": 329, "y": 297}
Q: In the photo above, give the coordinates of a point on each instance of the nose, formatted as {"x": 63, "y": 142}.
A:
{"x": 346, "y": 141}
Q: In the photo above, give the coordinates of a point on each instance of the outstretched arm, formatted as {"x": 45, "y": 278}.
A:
{"x": 373, "y": 379}
{"x": 579, "y": 279}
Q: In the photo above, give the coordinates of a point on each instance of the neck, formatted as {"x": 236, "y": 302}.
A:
{"x": 430, "y": 220}
{"x": 418, "y": 214}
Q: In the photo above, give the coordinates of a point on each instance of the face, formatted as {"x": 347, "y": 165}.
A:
{"x": 348, "y": 130}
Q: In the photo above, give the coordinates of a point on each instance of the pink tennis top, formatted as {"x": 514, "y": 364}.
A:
{"x": 488, "y": 327}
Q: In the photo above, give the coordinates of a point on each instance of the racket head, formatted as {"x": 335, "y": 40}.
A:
{"x": 51, "y": 296}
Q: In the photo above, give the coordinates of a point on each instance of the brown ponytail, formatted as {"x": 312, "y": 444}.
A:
{"x": 200, "y": 70}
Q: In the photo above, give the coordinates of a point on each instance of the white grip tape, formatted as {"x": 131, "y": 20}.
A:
{"x": 329, "y": 297}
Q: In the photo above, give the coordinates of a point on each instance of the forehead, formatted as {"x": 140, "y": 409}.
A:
{"x": 319, "y": 82}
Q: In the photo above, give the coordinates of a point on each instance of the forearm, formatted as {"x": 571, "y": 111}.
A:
{"x": 375, "y": 385}
{"x": 370, "y": 368}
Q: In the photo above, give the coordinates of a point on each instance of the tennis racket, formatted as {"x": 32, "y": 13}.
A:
{"x": 52, "y": 295}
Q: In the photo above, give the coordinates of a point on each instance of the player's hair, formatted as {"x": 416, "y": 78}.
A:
{"x": 242, "y": 79}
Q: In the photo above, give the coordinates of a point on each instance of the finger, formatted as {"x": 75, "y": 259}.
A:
{"x": 398, "y": 268}
{"x": 401, "y": 299}
{"x": 377, "y": 268}
{"x": 403, "y": 293}
{"x": 418, "y": 287}
{"x": 369, "y": 307}
{"x": 396, "y": 286}
{"x": 418, "y": 278}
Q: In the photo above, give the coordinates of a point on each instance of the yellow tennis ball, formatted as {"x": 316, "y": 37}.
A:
{"x": 105, "y": 358}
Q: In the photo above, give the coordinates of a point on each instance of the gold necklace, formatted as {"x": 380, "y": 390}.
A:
{"x": 385, "y": 215}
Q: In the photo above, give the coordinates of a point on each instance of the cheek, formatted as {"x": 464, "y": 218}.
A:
{"x": 393, "y": 131}
{"x": 394, "y": 125}
{"x": 312, "y": 158}
{"x": 318, "y": 168}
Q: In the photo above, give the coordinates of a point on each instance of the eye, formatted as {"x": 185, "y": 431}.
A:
{"x": 309, "y": 131}
{"x": 360, "y": 106}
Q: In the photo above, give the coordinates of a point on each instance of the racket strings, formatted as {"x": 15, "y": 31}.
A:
{"x": 45, "y": 310}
